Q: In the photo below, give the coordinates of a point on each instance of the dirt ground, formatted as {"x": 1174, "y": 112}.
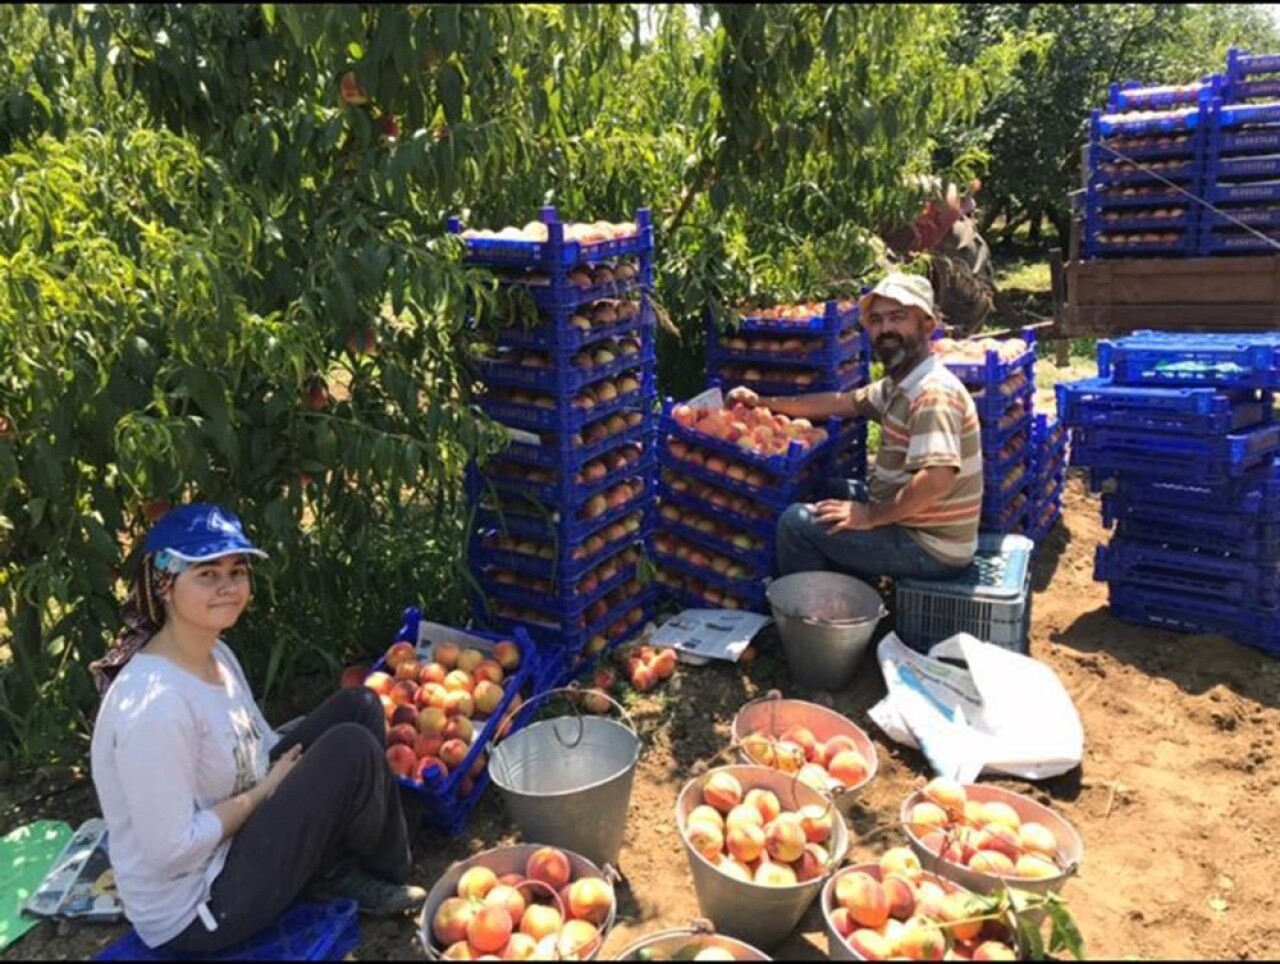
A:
{"x": 1174, "y": 798}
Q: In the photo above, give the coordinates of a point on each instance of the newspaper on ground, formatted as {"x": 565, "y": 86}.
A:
{"x": 701, "y": 635}
{"x": 81, "y": 886}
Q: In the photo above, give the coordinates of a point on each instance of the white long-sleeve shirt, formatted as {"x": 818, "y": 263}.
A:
{"x": 167, "y": 747}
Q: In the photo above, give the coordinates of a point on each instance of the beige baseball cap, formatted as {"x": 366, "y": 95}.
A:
{"x": 906, "y": 289}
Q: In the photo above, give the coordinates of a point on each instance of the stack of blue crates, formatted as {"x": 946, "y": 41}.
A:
{"x": 1183, "y": 427}
{"x": 1146, "y": 164}
{"x": 1242, "y": 174}
{"x": 719, "y": 505}
{"x": 563, "y": 516}
{"x": 1003, "y": 387}
{"x": 1048, "y": 475}
{"x": 795, "y": 350}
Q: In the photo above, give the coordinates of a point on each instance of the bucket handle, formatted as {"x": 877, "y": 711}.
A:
{"x": 572, "y": 689}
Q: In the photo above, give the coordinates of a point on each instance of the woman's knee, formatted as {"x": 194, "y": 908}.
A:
{"x": 348, "y": 744}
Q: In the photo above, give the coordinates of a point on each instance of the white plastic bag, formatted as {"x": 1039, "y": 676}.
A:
{"x": 1006, "y": 713}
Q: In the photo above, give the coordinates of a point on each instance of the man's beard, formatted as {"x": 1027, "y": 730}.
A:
{"x": 894, "y": 351}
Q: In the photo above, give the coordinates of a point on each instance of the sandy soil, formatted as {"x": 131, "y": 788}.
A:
{"x": 1174, "y": 798}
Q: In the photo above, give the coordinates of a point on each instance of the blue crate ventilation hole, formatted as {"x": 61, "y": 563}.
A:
{"x": 991, "y": 600}
{"x": 304, "y": 932}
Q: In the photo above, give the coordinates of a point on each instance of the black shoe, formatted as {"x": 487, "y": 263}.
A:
{"x": 375, "y": 896}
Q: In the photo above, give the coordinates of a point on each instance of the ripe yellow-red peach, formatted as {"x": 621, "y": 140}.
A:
{"x": 722, "y": 791}
{"x": 863, "y": 897}
{"x": 449, "y": 925}
{"x": 549, "y": 865}
{"x": 590, "y": 899}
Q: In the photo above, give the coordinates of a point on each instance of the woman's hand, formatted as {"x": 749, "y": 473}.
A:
{"x": 279, "y": 770}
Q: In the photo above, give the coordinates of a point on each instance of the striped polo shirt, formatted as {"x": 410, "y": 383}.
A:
{"x": 928, "y": 419}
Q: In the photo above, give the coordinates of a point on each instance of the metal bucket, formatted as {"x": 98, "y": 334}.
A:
{"x": 759, "y": 915}
{"x": 837, "y": 948}
{"x": 567, "y": 781}
{"x": 699, "y": 935}
{"x": 826, "y": 620}
{"x": 773, "y": 715}
{"x": 1070, "y": 846}
{"x": 505, "y": 860}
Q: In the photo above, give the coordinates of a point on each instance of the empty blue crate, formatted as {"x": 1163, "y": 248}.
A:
{"x": 1250, "y": 536}
{"x": 1176, "y": 360}
{"x": 1181, "y": 613}
{"x": 303, "y": 932}
{"x": 1100, "y": 403}
{"x": 1181, "y": 570}
{"x": 1256, "y": 494}
{"x": 990, "y": 600}
{"x": 1211, "y": 460}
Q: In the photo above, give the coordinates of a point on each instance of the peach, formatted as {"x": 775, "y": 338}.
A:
{"x": 863, "y": 897}
{"x": 405, "y": 733}
{"x": 813, "y": 775}
{"x": 590, "y": 899}
{"x": 902, "y": 861}
{"x": 704, "y": 812}
{"x": 431, "y": 721}
{"x": 469, "y": 659}
{"x": 1037, "y": 838}
{"x": 784, "y": 838}
{"x": 770, "y": 873}
{"x": 521, "y": 947}
{"x": 403, "y": 714}
{"x": 961, "y": 916}
{"x": 459, "y": 728}
{"x": 994, "y": 951}
{"x": 427, "y": 745}
{"x": 815, "y": 821}
{"x": 732, "y": 867}
{"x": 459, "y": 951}
{"x": 489, "y": 929}
{"x": 901, "y": 895}
{"x": 540, "y": 921}
{"x": 828, "y": 750}
{"x": 449, "y": 925}
{"x": 946, "y": 793}
{"x": 997, "y": 837}
{"x": 788, "y": 757}
{"x": 446, "y": 654}
{"x": 991, "y": 862}
{"x": 925, "y": 816}
{"x": 409, "y": 670}
{"x": 453, "y": 752}
{"x": 549, "y": 865}
{"x": 803, "y": 737}
{"x": 745, "y": 841}
{"x": 401, "y": 759}
{"x": 1036, "y": 866}
{"x": 577, "y": 940}
{"x": 999, "y": 812}
{"x": 759, "y": 749}
{"x": 507, "y": 897}
{"x": 722, "y": 791}
{"x": 380, "y": 682}
{"x": 404, "y": 692}
{"x": 922, "y": 941}
{"x": 849, "y": 767}
{"x": 706, "y": 838}
{"x": 870, "y": 944}
{"x": 487, "y": 696}
{"x": 399, "y": 652}
{"x": 457, "y": 680}
{"x": 812, "y": 863}
{"x": 488, "y": 670}
{"x": 459, "y": 703}
{"x": 507, "y": 655}
{"x": 765, "y": 802}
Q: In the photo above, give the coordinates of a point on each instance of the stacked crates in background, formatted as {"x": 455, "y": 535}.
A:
{"x": 1242, "y": 172}
{"x": 795, "y": 350}
{"x": 1048, "y": 474}
{"x": 1182, "y": 430}
{"x": 1000, "y": 375}
{"x": 719, "y": 502}
{"x": 563, "y": 516}
{"x": 1146, "y": 156}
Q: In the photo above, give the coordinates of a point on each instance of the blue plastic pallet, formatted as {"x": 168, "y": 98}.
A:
{"x": 1178, "y": 360}
{"x": 1179, "y": 570}
{"x": 555, "y": 252}
{"x": 305, "y": 931}
{"x": 1181, "y": 613}
{"x": 1100, "y": 402}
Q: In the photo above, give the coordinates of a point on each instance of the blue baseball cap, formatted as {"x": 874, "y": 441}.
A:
{"x": 199, "y": 532}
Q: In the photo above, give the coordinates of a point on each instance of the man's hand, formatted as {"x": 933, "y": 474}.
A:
{"x": 743, "y": 396}
{"x": 839, "y": 515}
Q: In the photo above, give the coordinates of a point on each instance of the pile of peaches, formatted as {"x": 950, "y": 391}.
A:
{"x": 824, "y": 765}
{"x": 601, "y": 393}
{"x": 585, "y": 232}
{"x": 592, "y": 471}
{"x": 786, "y": 344}
{"x": 542, "y": 914}
{"x": 965, "y": 352}
{"x": 755, "y": 430}
{"x": 794, "y": 377}
{"x": 796, "y": 313}
{"x": 432, "y": 704}
{"x": 717, "y": 498}
{"x": 746, "y": 834}
{"x": 700, "y": 522}
{"x": 610, "y": 535}
{"x": 604, "y": 352}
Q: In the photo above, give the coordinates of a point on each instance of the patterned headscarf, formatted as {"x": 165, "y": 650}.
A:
{"x": 143, "y": 615}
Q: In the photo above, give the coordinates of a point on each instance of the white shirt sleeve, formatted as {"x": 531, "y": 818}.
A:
{"x": 156, "y": 761}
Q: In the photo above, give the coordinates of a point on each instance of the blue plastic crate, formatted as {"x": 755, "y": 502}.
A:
{"x": 555, "y": 252}
{"x": 1251, "y": 192}
{"x": 560, "y": 374}
{"x": 1012, "y": 521}
{"x": 1120, "y": 245}
{"x": 1230, "y": 116}
{"x": 1177, "y": 360}
{"x": 694, "y": 596}
{"x": 1254, "y": 217}
{"x": 558, "y": 452}
{"x": 1210, "y": 460}
{"x": 1120, "y": 220}
{"x": 551, "y": 633}
{"x": 445, "y": 806}
{"x": 780, "y": 467}
{"x": 1137, "y": 123}
{"x": 834, "y": 316}
{"x": 1243, "y": 168}
{"x": 560, "y": 414}
{"x": 991, "y": 599}
{"x": 1239, "y": 91}
{"x": 525, "y": 518}
{"x": 1048, "y": 435}
{"x": 1215, "y": 242}
{"x": 1012, "y": 423}
{"x": 992, "y": 402}
{"x": 1151, "y": 146}
{"x": 1038, "y": 528}
{"x": 857, "y": 376}
{"x": 1182, "y": 613}
{"x": 997, "y": 463}
{"x": 993, "y": 370}
{"x": 557, "y": 331}
{"x": 1132, "y": 95}
{"x": 556, "y": 294}
{"x": 777, "y": 495}
{"x": 1176, "y": 169}
{"x": 1256, "y": 494}
{"x": 560, "y": 567}
{"x": 1099, "y": 402}
{"x": 1222, "y": 535}
{"x": 564, "y": 602}
{"x": 562, "y": 491}
{"x": 1100, "y": 197}
{"x": 758, "y": 559}
{"x": 1180, "y": 570}
{"x": 305, "y": 931}
{"x": 829, "y": 355}
{"x": 1259, "y": 140}
{"x": 1241, "y": 64}
{"x": 750, "y": 587}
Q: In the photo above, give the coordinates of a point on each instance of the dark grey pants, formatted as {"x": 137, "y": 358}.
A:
{"x": 340, "y": 802}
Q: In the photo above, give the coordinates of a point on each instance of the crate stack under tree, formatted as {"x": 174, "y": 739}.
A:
{"x": 1049, "y": 440}
{"x": 1242, "y": 172}
{"x": 1146, "y": 155}
{"x": 727, "y": 474}
{"x": 1179, "y": 432}
{"x": 795, "y": 350}
{"x": 563, "y": 516}
{"x": 1000, "y": 375}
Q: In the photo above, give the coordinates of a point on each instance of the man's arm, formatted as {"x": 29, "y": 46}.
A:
{"x": 815, "y": 405}
{"x": 927, "y": 487}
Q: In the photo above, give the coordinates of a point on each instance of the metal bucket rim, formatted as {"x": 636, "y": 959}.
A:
{"x": 505, "y": 787}
{"x": 858, "y": 586}
{"x": 835, "y": 860}
{"x": 692, "y": 933}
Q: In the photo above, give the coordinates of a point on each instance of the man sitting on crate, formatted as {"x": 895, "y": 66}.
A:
{"x": 917, "y": 515}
